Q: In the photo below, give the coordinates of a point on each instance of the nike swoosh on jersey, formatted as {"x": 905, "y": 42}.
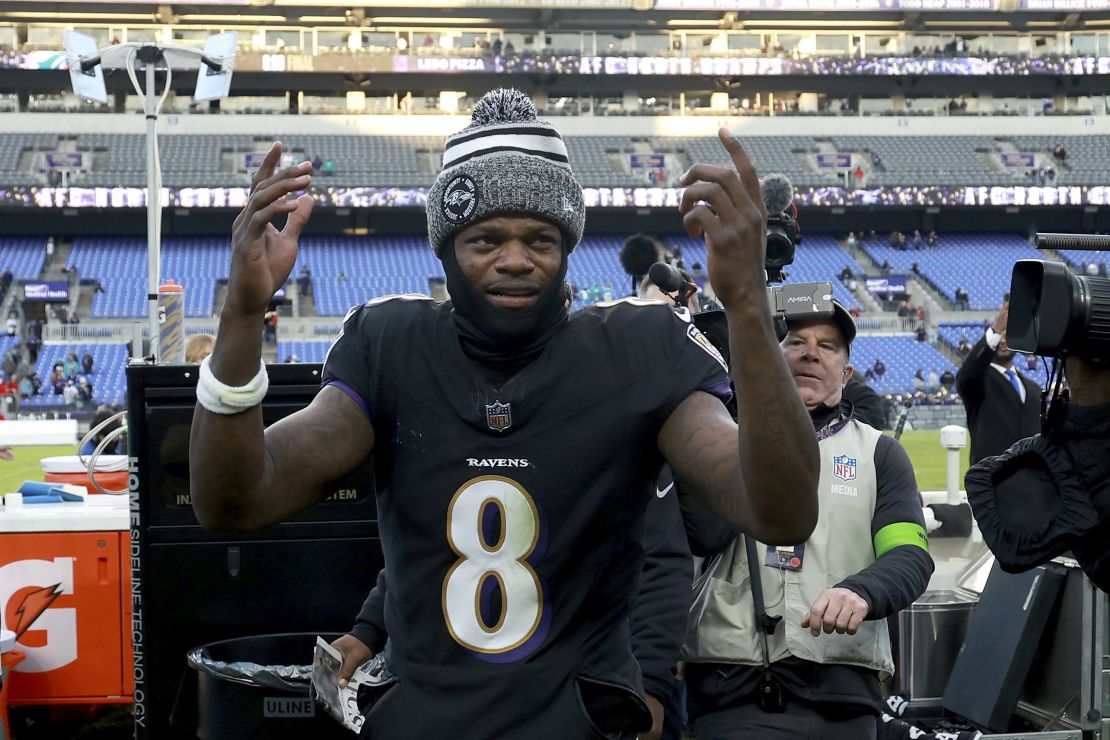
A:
{"x": 664, "y": 492}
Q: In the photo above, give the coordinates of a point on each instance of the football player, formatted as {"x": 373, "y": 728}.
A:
{"x": 515, "y": 446}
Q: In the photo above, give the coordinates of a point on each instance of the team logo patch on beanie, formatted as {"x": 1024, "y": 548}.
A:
{"x": 460, "y": 198}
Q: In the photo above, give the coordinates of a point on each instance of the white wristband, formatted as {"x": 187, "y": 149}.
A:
{"x": 228, "y": 399}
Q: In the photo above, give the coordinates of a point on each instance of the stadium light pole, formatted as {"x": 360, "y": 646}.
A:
{"x": 86, "y": 64}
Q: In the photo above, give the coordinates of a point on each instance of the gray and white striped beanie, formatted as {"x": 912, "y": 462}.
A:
{"x": 506, "y": 162}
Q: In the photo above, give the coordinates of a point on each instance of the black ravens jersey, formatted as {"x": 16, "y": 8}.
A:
{"x": 511, "y": 517}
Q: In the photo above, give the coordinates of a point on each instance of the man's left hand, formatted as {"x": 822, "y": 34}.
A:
{"x": 725, "y": 206}
{"x": 656, "y": 709}
{"x": 839, "y": 610}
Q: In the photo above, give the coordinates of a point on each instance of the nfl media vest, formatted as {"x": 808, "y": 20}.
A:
{"x": 722, "y": 626}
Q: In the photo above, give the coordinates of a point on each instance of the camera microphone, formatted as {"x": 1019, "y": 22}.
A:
{"x": 782, "y": 227}
{"x": 778, "y": 193}
{"x": 669, "y": 280}
{"x": 1095, "y": 242}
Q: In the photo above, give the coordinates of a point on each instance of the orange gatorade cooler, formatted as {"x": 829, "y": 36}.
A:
{"x": 110, "y": 473}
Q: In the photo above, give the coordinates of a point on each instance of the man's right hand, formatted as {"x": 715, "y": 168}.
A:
{"x": 261, "y": 256}
{"x": 999, "y": 325}
{"x": 355, "y": 653}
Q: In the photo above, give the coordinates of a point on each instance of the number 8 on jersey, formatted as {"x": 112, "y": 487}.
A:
{"x": 485, "y": 508}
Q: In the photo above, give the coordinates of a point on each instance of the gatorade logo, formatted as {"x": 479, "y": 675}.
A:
{"x": 46, "y": 633}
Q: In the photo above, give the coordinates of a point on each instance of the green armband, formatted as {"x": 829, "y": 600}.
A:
{"x": 898, "y": 534}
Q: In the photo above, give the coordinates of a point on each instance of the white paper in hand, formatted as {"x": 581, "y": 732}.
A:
{"x": 342, "y": 704}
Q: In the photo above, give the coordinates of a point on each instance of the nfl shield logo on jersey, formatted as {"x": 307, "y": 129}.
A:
{"x": 844, "y": 467}
{"x": 499, "y": 416}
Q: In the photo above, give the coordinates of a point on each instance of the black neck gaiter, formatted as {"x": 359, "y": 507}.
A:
{"x": 499, "y": 339}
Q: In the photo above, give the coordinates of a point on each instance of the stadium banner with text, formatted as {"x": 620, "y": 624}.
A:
{"x": 821, "y": 5}
{"x": 618, "y": 197}
{"x": 354, "y": 62}
{"x": 887, "y": 284}
{"x": 53, "y": 290}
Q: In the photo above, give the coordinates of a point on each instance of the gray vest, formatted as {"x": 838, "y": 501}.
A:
{"x": 722, "y": 626}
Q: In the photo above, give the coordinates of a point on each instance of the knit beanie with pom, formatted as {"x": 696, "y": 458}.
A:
{"x": 506, "y": 162}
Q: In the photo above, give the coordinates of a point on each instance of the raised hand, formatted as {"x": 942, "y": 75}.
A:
{"x": 1002, "y": 319}
{"x": 725, "y": 207}
{"x": 261, "y": 256}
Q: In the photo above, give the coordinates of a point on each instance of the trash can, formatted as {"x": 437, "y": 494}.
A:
{"x": 931, "y": 633}
{"x": 258, "y": 687}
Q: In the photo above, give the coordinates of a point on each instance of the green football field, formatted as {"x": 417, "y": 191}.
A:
{"x": 923, "y": 447}
{"x": 928, "y": 458}
{"x": 26, "y": 465}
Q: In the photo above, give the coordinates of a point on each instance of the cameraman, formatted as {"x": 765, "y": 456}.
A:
{"x": 1086, "y": 432}
{"x": 866, "y": 560}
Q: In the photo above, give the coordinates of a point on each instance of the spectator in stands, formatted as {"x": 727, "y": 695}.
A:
{"x": 846, "y": 273}
{"x": 58, "y": 381}
{"x": 856, "y": 312}
{"x": 103, "y": 413}
{"x": 84, "y": 392}
{"x": 876, "y": 160}
{"x": 932, "y": 381}
{"x": 71, "y": 366}
{"x": 920, "y": 334}
{"x": 869, "y": 375}
{"x": 497, "y": 46}
{"x": 198, "y": 347}
{"x": 919, "y": 380}
{"x": 87, "y": 363}
{"x": 509, "y": 48}
{"x": 932, "y": 239}
{"x": 69, "y": 393}
{"x": 851, "y": 242}
{"x": 1092, "y": 269}
{"x": 947, "y": 379}
{"x": 917, "y": 242}
{"x": 34, "y": 344}
{"x": 897, "y": 240}
{"x": 27, "y": 387}
{"x": 962, "y": 298}
{"x": 1032, "y": 364}
{"x": 1060, "y": 152}
{"x": 317, "y": 163}
{"x": 5, "y": 282}
{"x": 304, "y": 280}
{"x": 1102, "y": 269}
{"x": 858, "y": 174}
{"x": 905, "y": 310}
{"x": 964, "y": 347}
{"x": 269, "y": 326}
{"x": 879, "y": 368}
{"x": 74, "y": 318}
{"x": 933, "y": 333}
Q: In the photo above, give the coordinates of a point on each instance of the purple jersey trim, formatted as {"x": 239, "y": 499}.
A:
{"x": 354, "y": 396}
{"x": 721, "y": 389}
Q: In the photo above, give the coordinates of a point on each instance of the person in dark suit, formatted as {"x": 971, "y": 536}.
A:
{"x": 1002, "y": 405}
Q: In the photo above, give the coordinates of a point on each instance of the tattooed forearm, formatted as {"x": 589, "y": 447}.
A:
{"x": 760, "y": 474}
{"x": 777, "y": 448}
{"x": 242, "y": 478}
